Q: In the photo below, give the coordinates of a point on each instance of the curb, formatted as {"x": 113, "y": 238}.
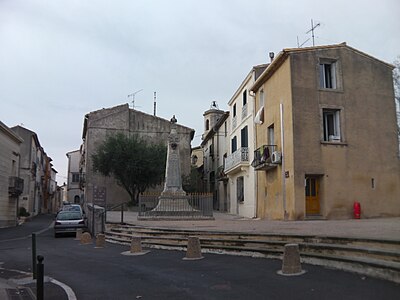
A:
{"x": 21, "y": 281}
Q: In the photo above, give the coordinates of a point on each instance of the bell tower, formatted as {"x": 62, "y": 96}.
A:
{"x": 211, "y": 117}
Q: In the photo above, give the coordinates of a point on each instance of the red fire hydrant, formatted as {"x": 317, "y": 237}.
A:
{"x": 357, "y": 210}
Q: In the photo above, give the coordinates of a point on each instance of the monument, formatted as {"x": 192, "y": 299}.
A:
{"x": 173, "y": 203}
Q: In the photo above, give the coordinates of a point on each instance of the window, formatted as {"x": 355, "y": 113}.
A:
{"x": 244, "y": 97}
{"x": 225, "y": 129}
{"x": 271, "y": 135}
{"x": 75, "y": 177}
{"x": 234, "y": 144}
{"x": 331, "y": 124}
{"x": 261, "y": 98}
{"x": 240, "y": 189}
{"x": 234, "y": 110}
{"x": 327, "y": 75}
{"x": 244, "y": 136}
{"x": 207, "y": 124}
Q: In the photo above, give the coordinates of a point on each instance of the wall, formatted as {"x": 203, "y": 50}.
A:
{"x": 270, "y": 197}
{"x": 9, "y": 152}
{"x": 122, "y": 119}
{"x": 368, "y": 150}
{"x": 247, "y": 208}
{"x": 73, "y": 189}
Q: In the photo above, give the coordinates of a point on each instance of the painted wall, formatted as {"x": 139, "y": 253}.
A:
{"x": 270, "y": 197}
{"x": 364, "y": 166}
{"x": 244, "y": 117}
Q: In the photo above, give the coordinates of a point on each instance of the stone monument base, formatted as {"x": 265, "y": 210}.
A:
{"x": 174, "y": 207}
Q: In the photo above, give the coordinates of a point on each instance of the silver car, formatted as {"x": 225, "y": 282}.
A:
{"x": 68, "y": 222}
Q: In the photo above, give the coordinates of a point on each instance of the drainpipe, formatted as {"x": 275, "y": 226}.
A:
{"x": 285, "y": 214}
{"x": 19, "y": 174}
{"x": 254, "y": 149}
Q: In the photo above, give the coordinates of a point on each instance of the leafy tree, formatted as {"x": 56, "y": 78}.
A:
{"x": 193, "y": 183}
{"x": 134, "y": 163}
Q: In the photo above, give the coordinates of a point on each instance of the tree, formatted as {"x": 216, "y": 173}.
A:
{"x": 134, "y": 163}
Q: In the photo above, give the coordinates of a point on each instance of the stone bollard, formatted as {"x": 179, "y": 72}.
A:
{"x": 136, "y": 247}
{"x": 78, "y": 234}
{"x": 193, "y": 251}
{"x": 291, "y": 265}
{"x": 136, "y": 244}
{"x": 100, "y": 240}
{"x": 86, "y": 238}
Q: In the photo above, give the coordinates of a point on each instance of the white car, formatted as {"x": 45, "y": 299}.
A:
{"x": 68, "y": 221}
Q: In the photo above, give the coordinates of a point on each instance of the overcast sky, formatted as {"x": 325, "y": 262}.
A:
{"x": 61, "y": 59}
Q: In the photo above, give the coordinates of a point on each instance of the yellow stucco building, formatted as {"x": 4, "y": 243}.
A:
{"x": 326, "y": 135}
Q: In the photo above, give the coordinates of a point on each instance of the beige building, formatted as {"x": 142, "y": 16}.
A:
{"x": 102, "y": 190}
{"x": 241, "y": 176}
{"x": 326, "y": 135}
{"x": 11, "y": 185}
{"x": 74, "y": 191}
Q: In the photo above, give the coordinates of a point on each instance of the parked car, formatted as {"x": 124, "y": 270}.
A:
{"x": 73, "y": 207}
{"x": 68, "y": 221}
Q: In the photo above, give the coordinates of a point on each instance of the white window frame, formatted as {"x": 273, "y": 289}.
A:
{"x": 335, "y": 114}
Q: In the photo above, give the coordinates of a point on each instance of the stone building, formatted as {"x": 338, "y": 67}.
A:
{"x": 328, "y": 135}
{"x": 214, "y": 145}
{"x": 11, "y": 184}
{"x": 36, "y": 171}
{"x": 74, "y": 191}
{"x": 97, "y": 125}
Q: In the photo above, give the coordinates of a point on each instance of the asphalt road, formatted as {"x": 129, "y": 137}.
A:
{"x": 106, "y": 274}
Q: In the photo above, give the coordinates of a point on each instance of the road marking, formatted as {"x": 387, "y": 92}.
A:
{"x": 70, "y": 293}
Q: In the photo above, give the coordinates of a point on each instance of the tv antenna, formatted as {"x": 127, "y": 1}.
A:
{"x": 133, "y": 97}
{"x": 312, "y": 30}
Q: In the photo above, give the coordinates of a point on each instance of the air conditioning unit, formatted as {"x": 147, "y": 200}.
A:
{"x": 276, "y": 157}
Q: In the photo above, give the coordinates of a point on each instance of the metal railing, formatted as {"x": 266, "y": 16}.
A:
{"x": 262, "y": 155}
{"x": 191, "y": 206}
{"x": 234, "y": 122}
{"x": 239, "y": 156}
{"x": 244, "y": 111}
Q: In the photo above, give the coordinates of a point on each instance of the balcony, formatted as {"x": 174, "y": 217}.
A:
{"x": 234, "y": 122}
{"x": 244, "y": 111}
{"x": 266, "y": 158}
{"x": 15, "y": 186}
{"x": 237, "y": 159}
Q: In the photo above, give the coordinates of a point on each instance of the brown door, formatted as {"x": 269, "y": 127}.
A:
{"x": 312, "y": 196}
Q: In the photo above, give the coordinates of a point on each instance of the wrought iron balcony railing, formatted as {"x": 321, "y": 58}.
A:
{"x": 15, "y": 186}
{"x": 266, "y": 157}
{"x": 237, "y": 158}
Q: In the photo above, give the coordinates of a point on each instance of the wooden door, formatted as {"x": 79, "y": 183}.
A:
{"x": 312, "y": 196}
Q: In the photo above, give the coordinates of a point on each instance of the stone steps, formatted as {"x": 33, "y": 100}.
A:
{"x": 378, "y": 258}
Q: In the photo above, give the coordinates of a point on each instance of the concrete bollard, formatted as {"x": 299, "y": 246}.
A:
{"x": 100, "y": 240}
{"x": 291, "y": 265}
{"x": 86, "y": 238}
{"x": 136, "y": 247}
{"x": 136, "y": 244}
{"x": 193, "y": 251}
{"x": 78, "y": 234}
